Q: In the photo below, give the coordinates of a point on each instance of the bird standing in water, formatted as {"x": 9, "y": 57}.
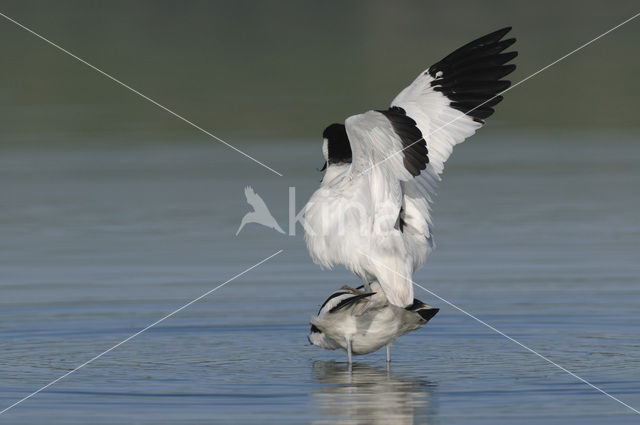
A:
{"x": 361, "y": 322}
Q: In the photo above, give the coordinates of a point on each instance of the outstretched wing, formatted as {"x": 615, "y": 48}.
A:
{"x": 410, "y": 142}
{"x": 402, "y": 150}
{"x": 449, "y": 102}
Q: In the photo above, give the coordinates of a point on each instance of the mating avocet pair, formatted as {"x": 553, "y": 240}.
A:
{"x": 372, "y": 210}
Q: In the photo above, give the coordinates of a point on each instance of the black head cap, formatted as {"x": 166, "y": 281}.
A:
{"x": 339, "y": 149}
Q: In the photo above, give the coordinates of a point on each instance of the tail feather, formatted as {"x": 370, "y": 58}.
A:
{"x": 424, "y": 310}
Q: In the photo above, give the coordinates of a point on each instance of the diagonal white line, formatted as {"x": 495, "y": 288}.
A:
{"x": 503, "y": 92}
{"x": 506, "y": 336}
{"x": 139, "y": 332}
{"x": 208, "y": 133}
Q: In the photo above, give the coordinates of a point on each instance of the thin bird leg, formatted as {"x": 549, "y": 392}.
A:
{"x": 389, "y": 353}
{"x": 348, "y": 349}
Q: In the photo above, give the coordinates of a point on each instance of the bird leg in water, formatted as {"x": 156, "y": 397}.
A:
{"x": 389, "y": 353}
{"x": 348, "y": 349}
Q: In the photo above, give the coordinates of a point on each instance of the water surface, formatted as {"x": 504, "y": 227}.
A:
{"x": 536, "y": 235}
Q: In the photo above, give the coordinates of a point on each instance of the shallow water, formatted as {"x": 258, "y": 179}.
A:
{"x": 536, "y": 236}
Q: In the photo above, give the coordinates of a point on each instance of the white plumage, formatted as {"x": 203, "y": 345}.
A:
{"x": 372, "y": 210}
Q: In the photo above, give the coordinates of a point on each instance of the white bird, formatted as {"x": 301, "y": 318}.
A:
{"x": 260, "y": 213}
{"x": 361, "y": 322}
{"x": 372, "y": 210}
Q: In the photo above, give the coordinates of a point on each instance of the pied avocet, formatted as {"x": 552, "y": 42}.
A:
{"x": 361, "y": 322}
{"x": 371, "y": 212}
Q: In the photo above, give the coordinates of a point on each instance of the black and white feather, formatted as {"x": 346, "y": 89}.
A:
{"x": 388, "y": 163}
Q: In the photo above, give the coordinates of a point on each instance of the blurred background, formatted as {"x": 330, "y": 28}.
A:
{"x": 114, "y": 213}
{"x": 282, "y": 70}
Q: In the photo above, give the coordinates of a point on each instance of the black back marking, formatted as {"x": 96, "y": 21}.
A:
{"x": 339, "y": 149}
{"x": 332, "y": 296}
{"x": 472, "y": 74}
{"x": 350, "y": 301}
{"x": 415, "y": 153}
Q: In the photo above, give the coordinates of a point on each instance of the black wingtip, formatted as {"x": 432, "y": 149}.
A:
{"x": 471, "y": 76}
{"x": 492, "y": 36}
{"x": 496, "y": 35}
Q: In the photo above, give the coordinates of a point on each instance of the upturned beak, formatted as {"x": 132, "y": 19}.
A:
{"x": 324, "y": 167}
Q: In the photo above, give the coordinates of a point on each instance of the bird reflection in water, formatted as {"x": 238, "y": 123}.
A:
{"x": 362, "y": 394}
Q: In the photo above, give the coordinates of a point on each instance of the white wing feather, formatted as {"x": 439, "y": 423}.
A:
{"x": 442, "y": 128}
{"x": 374, "y": 144}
